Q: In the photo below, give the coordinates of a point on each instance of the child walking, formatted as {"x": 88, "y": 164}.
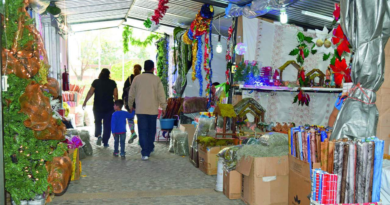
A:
{"x": 118, "y": 127}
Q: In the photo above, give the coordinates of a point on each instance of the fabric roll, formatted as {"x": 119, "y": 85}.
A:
{"x": 367, "y": 168}
{"x": 318, "y": 147}
{"x": 350, "y": 186}
{"x": 304, "y": 145}
{"x": 338, "y": 166}
{"x": 344, "y": 173}
{"x": 360, "y": 172}
{"x": 376, "y": 185}
{"x": 372, "y": 172}
{"x": 324, "y": 155}
{"x": 331, "y": 157}
{"x": 313, "y": 146}
{"x": 300, "y": 145}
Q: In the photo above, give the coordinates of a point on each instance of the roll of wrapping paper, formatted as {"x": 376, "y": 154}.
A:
{"x": 324, "y": 155}
{"x": 304, "y": 145}
{"x": 378, "y": 161}
{"x": 350, "y": 190}
{"x": 300, "y": 145}
{"x": 313, "y": 147}
{"x": 331, "y": 156}
{"x": 367, "y": 166}
{"x": 338, "y": 166}
{"x": 359, "y": 173}
{"x": 344, "y": 176}
{"x": 372, "y": 172}
{"x": 318, "y": 147}
{"x": 297, "y": 153}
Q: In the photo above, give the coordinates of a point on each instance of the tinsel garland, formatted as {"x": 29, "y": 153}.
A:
{"x": 24, "y": 155}
{"x": 162, "y": 63}
{"x": 128, "y": 38}
{"x": 158, "y": 13}
{"x": 200, "y": 26}
{"x": 198, "y": 65}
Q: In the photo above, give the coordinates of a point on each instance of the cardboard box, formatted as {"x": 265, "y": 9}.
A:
{"x": 190, "y": 129}
{"x": 299, "y": 183}
{"x": 265, "y": 180}
{"x": 208, "y": 160}
{"x": 232, "y": 184}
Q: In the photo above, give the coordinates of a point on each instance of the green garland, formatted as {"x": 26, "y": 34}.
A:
{"x": 24, "y": 155}
{"x": 162, "y": 63}
{"x": 128, "y": 38}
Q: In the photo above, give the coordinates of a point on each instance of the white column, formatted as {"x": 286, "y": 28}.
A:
{"x": 52, "y": 45}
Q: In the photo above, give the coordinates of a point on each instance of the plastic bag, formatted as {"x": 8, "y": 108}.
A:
{"x": 171, "y": 148}
{"x": 203, "y": 128}
{"x": 84, "y": 135}
{"x": 229, "y": 155}
{"x": 180, "y": 143}
{"x": 60, "y": 170}
{"x": 79, "y": 117}
{"x": 87, "y": 119}
{"x": 88, "y": 148}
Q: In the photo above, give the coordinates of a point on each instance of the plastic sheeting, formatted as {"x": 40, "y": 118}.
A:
{"x": 367, "y": 27}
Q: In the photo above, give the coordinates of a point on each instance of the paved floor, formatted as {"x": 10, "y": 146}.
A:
{"x": 165, "y": 179}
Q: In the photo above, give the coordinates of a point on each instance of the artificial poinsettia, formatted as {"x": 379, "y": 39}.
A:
{"x": 336, "y": 12}
{"x": 322, "y": 42}
{"x": 340, "y": 39}
{"x": 341, "y": 70}
{"x": 302, "y": 98}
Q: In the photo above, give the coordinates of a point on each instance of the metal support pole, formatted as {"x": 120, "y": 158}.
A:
{"x": 234, "y": 38}
{"x": 2, "y": 177}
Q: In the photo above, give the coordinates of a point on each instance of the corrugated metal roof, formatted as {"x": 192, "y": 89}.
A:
{"x": 181, "y": 12}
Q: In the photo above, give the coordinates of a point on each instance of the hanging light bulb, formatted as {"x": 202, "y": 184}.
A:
{"x": 283, "y": 16}
{"x": 219, "y": 45}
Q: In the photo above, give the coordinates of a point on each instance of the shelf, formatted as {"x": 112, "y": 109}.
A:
{"x": 288, "y": 89}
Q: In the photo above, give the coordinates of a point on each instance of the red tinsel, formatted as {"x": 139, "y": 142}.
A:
{"x": 160, "y": 11}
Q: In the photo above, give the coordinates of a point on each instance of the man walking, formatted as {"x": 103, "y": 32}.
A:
{"x": 148, "y": 93}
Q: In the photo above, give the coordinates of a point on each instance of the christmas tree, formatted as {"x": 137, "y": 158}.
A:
{"x": 32, "y": 135}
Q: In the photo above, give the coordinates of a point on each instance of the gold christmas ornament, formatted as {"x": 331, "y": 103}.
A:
{"x": 327, "y": 43}
{"x": 319, "y": 43}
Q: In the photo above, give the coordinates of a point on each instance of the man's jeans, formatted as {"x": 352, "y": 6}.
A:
{"x": 147, "y": 133}
{"x": 122, "y": 139}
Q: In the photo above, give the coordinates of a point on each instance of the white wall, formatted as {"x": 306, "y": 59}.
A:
{"x": 218, "y": 66}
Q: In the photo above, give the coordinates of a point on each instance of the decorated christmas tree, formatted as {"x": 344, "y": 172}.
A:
{"x": 33, "y": 131}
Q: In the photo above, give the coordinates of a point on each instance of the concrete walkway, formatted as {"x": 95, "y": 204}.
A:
{"x": 165, "y": 179}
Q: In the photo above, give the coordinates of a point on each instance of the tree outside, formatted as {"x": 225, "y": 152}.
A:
{"x": 91, "y": 51}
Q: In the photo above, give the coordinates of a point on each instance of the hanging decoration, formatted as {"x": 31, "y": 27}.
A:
{"x": 201, "y": 25}
{"x": 162, "y": 62}
{"x": 27, "y": 109}
{"x": 323, "y": 42}
{"x": 128, "y": 38}
{"x": 302, "y": 51}
{"x": 229, "y": 43}
{"x": 158, "y": 15}
{"x": 338, "y": 63}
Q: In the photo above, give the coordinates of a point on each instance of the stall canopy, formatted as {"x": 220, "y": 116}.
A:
{"x": 100, "y": 14}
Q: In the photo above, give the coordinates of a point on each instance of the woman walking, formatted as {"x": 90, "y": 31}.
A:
{"x": 126, "y": 88}
{"x": 106, "y": 92}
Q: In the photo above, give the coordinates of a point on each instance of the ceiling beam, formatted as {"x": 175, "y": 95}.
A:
{"x": 211, "y": 2}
